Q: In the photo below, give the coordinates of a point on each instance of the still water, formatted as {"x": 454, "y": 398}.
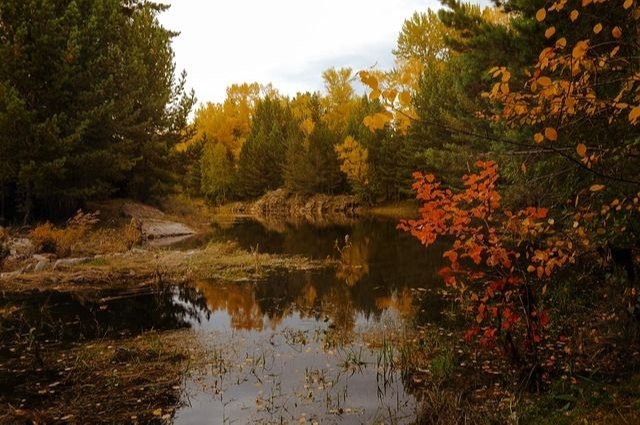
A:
{"x": 295, "y": 347}
{"x": 312, "y": 347}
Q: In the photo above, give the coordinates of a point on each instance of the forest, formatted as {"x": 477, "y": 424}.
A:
{"x": 496, "y": 173}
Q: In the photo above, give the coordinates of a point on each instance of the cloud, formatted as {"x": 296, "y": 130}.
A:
{"x": 286, "y": 42}
{"x": 309, "y": 76}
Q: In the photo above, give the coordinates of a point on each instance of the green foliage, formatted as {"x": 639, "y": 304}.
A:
{"x": 311, "y": 165}
{"x": 88, "y": 103}
{"x": 217, "y": 172}
{"x": 260, "y": 167}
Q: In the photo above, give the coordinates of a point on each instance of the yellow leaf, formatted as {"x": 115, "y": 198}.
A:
{"x": 538, "y": 138}
{"x": 597, "y": 187}
{"x": 580, "y": 49}
{"x": 531, "y": 269}
{"x": 405, "y": 98}
{"x": 390, "y": 95}
{"x": 581, "y": 149}
{"x": 634, "y": 115}
{"x": 616, "y": 32}
{"x": 550, "y": 32}
{"x": 157, "y": 412}
{"x": 541, "y": 14}
{"x": 574, "y": 15}
{"x": 597, "y": 28}
{"x": 307, "y": 126}
{"x": 544, "y": 81}
{"x": 627, "y": 4}
{"x": 551, "y": 134}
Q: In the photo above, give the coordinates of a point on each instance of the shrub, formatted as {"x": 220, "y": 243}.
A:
{"x": 133, "y": 233}
{"x": 49, "y": 238}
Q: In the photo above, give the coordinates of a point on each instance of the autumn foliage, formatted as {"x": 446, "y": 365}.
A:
{"x": 492, "y": 253}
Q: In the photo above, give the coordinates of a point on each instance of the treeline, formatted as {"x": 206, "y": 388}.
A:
{"x": 340, "y": 142}
{"x": 89, "y": 105}
{"x": 258, "y": 140}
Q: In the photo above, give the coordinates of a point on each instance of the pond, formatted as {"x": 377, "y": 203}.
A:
{"x": 310, "y": 346}
{"x": 313, "y": 347}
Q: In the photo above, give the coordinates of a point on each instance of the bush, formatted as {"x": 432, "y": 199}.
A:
{"x": 133, "y": 233}
{"x": 48, "y": 238}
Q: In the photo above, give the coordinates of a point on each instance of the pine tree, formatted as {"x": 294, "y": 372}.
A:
{"x": 88, "y": 104}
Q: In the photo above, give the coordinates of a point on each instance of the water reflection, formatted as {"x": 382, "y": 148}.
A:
{"x": 299, "y": 346}
{"x": 80, "y": 316}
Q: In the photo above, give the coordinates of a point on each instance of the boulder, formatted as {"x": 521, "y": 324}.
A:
{"x": 42, "y": 266}
{"x": 68, "y": 262}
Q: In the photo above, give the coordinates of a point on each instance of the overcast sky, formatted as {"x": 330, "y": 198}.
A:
{"x": 284, "y": 42}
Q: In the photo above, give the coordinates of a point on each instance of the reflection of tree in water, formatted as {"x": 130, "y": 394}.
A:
{"x": 403, "y": 302}
{"x": 238, "y": 300}
{"x": 314, "y": 295}
{"x": 66, "y": 316}
{"x": 377, "y": 270}
{"x": 354, "y": 260}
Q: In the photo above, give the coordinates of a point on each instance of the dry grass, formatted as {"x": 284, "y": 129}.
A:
{"x": 141, "y": 267}
{"x": 135, "y": 380}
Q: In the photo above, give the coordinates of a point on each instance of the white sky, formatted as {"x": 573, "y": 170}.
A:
{"x": 284, "y": 42}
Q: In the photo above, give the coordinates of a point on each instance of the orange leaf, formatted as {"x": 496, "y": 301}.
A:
{"x": 597, "y": 188}
{"x": 550, "y": 32}
{"x": 627, "y": 4}
{"x": 634, "y": 115}
{"x": 551, "y": 134}
{"x": 597, "y": 28}
{"x": 574, "y": 15}
{"x": 541, "y": 14}
{"x": 616, "y": 32}
{"x": 581, "y": 149}
{"x": 538, "y": 138}
{"x": 544, "y": 81}
{"x": 580, "y": 49}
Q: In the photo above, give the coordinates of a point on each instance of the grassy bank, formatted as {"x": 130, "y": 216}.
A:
{"x": 133, "y": 380}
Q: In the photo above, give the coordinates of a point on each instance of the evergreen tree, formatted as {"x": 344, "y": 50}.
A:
{"x": 262, "y": 158}
{"x": 88, "y": 104}
{"x": 311, "y": 164}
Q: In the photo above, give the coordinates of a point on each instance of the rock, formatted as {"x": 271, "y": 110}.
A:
{"x": 20, "y": 247}
{"x": 41, "y": 266}
{"x": 10, "y": 275}
{"x": 141, "y": 211}
{"x": 153, "y": 222}
{"x": 67, "y": 262}
{"x": 156, "y": 229}
{"x": 44, "y": 257}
